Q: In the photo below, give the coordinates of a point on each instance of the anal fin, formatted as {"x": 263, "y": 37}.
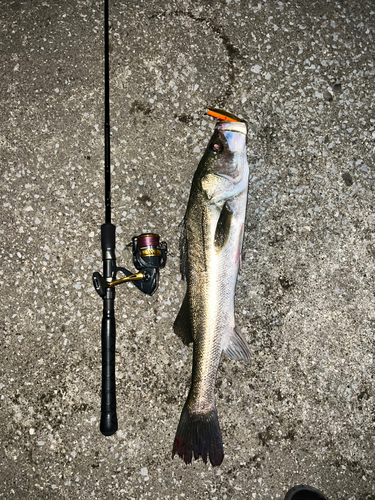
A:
{"x": 237, "y": 348}
{"x": 182, "y": 324}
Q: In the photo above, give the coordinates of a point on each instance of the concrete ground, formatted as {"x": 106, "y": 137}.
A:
{"x": 302, "y": 74}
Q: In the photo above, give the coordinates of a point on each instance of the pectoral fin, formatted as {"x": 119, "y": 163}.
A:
{"x": 237, "y": 348}
{"x": 182, "y": 324}
{"x": 223, "y": 227}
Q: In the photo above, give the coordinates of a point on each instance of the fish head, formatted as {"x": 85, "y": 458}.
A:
{"x": 223, "y": 170}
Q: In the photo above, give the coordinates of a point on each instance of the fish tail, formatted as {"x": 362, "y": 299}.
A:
{"x": 199, "y": 434}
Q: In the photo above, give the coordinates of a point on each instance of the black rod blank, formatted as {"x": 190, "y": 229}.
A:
{"x": 107, "y": 160}
{"x": 108, "y": 421}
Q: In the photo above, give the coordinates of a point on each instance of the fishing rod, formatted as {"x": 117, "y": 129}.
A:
{"x": 149, "y": 255}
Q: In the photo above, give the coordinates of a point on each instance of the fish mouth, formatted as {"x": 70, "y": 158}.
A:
{"x": 227, "y": 121}
{"x": 239, "y": 127}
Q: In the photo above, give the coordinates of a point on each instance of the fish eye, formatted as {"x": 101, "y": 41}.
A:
{"x": 217, "y": 146}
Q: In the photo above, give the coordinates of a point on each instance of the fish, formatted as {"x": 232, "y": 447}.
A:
{"x": 211, "y": 241}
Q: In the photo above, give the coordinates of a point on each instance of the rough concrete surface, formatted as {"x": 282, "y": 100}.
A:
{"x": 302, "y": 74}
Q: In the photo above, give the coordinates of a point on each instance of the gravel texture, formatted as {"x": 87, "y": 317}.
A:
{"x": 302, "y": 74}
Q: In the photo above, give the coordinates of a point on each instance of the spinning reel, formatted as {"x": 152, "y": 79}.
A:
{"x": 149, "y": 255}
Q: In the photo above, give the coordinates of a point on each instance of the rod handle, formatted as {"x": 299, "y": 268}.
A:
{"x": 108, "y": 421}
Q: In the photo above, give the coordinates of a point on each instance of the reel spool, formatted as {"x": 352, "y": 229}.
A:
{"x": 148, "y": 252}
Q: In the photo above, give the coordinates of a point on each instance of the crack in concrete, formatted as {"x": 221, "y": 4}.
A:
{"x": 232, "y": 51}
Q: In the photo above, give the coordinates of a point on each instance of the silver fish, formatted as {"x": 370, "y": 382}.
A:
{"x": 211, "y": 242}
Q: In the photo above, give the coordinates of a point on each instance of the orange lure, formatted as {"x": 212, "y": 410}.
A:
{"x": 222, "y": 115}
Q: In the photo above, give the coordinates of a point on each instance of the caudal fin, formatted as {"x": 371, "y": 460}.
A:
{"x": 199, "y": 435}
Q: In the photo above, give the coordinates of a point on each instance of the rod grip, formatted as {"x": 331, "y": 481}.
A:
{"x": 108, "y": 421}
